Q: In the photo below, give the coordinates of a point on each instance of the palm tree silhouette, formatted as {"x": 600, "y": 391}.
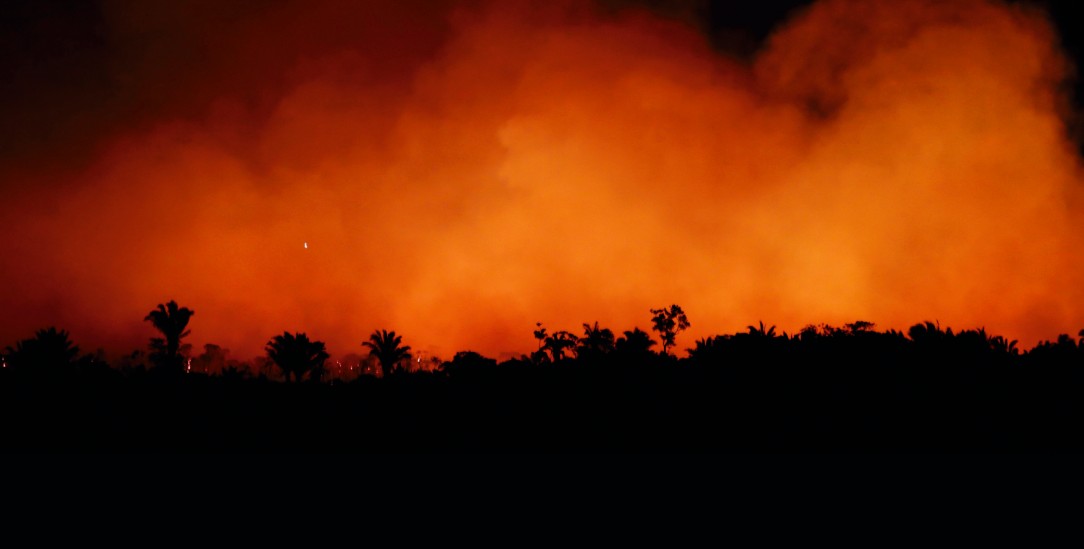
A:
{"x": 929, "y": 335}
{"x": 706, "y": 347}
{"x": 49, "y": 348}
{"x": 635, "y": 341}
{"x": 761, "y": 331}
{"x": 388, "y": 349}
{"x": 295, "y": 353}
{"x": 1000, "y": 344}
{"x": 595, "y": 342}
{"x": 171, "y": 320}
{"x": 558, "y": 342}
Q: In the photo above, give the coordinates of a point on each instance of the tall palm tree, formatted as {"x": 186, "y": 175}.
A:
{"x": 296, "y": 354}
{"x": 171, "y": 320}
{"x": 388, "y": 349}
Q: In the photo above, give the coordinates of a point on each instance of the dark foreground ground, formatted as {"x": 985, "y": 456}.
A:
{"x": 651, "y": 406}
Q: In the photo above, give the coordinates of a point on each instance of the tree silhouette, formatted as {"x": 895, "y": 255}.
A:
{"x": 468, "y": 363}
{"x": 847, "y": 387}
{"x": 171, "y": 320}
{"x": 1063, "y": 350}
{"x": 668, "y": 322}
{"x": 596, "y": 342}
{"x": 635, "y": 342}
{"x": 388, "y": 349}
{"x": 761, "y": 331}
{"x": 999, "y": 344}
{"x": 212, "y": 360}
{"x": 296, "y": 354}
{"x": 540, "y": 334}
{"x": 49, "y": 350}
{"x": 928, "y": 332}
{"x": 558, "y": 342}
{"x": 706, "y": 348}
{"x": 859, "y": 327}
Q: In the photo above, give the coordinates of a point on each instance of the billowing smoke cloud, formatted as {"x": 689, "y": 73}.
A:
{"x": 457, "y": 173}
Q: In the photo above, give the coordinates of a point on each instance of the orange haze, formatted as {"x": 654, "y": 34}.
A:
{"x": 460, "y": 172}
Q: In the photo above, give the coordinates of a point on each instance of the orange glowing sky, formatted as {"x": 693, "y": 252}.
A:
{"x": 462, "y": 171}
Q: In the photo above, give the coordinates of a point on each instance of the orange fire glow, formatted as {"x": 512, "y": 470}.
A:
{"x": 459, "y": 175}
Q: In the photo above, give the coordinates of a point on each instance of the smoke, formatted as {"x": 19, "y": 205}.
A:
{"x": 458, "y": 172}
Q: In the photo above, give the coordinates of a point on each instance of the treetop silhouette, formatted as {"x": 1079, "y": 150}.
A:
{"x": 171, "y": 320}
{"x": 388, "y": 349}
{"x": 595, "y": 342}
{"x": 296, "y": 354}
{"x": 540, "y": 335}
{"x": 50, "y": 348}
{"x": 668, "y": 322}
{"x": 635, "y": 342}
{"x": 761, "y": 331}
{"x": 558, "y": 342}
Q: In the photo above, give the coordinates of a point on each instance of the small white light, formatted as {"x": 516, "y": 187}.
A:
{"x": 306, "y": 245}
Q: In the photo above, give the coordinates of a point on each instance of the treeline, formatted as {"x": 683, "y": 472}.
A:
{"x": 296, "y": 357}
{"x": 832, "y": 388}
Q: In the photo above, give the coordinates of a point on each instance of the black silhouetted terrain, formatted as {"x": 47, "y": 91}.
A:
{"x": 826, "y": 388}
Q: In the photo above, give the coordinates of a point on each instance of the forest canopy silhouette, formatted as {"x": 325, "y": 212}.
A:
{"x": 840, "y": 388}
{"x": 461, "y": 170}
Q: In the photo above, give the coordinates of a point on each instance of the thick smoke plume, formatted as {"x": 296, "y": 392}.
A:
{"x": 460, "y": 171}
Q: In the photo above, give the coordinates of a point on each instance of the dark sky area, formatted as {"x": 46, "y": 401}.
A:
{"x": 68, "y": 75}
